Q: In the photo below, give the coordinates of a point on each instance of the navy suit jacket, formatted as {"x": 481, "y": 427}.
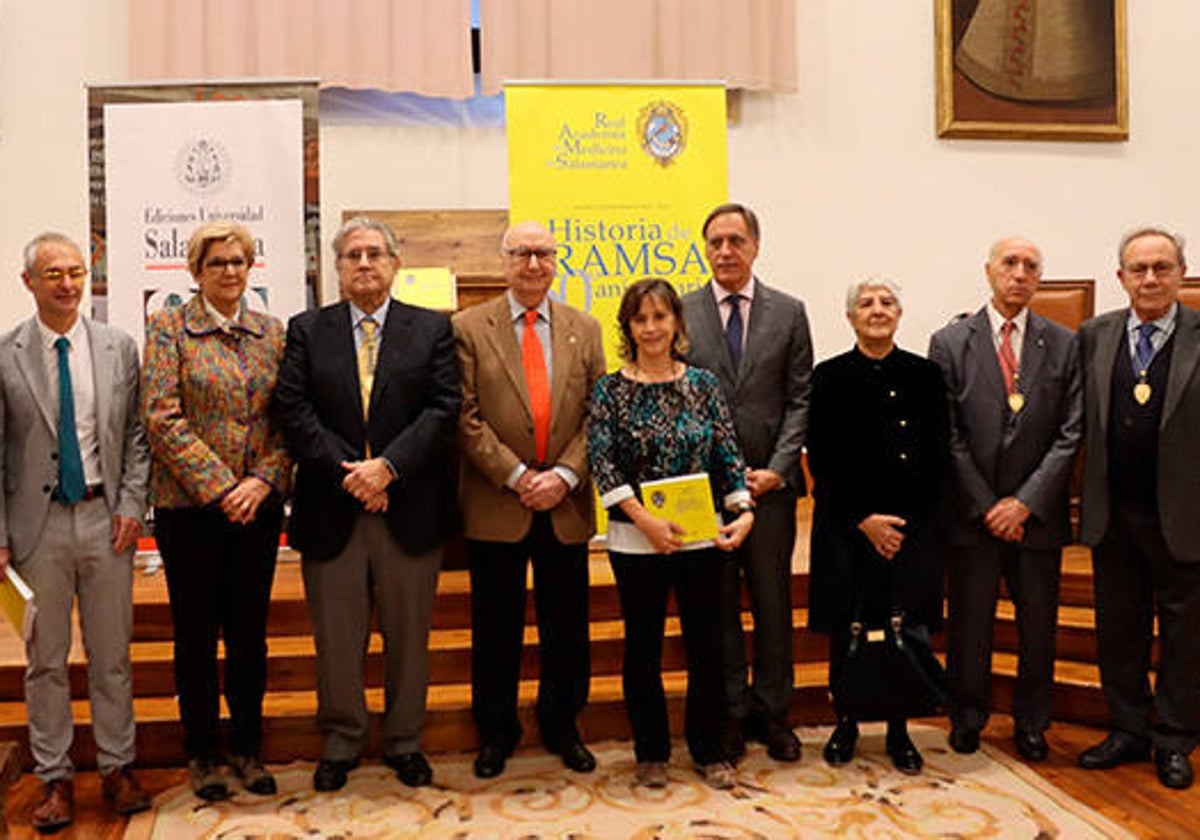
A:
{"x": 412, "y": 419}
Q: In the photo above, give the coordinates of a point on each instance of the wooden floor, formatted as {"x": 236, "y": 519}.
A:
{"x": 1130, "y": 796}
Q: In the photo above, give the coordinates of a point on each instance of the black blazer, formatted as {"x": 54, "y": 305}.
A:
{"x": 413, "y": 415}
{"x": 878, "y": 439}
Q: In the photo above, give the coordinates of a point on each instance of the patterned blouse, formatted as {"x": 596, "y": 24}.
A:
{"x": 641, "y": 431}
{"x": 205, "y": 395}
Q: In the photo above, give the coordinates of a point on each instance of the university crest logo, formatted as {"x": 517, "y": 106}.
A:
{"x": 202, "y": 166}
{"x": 662, "y": 128}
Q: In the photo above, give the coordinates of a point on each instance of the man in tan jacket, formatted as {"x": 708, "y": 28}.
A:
{"x": 528, "y": 366}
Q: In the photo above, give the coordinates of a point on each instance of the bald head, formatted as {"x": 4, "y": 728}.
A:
{"x": 530, "y": 260}
{"x": 1014, "y": 270}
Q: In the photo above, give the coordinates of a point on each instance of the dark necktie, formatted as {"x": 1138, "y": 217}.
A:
{"x": 71, "y": 485}
{"x": 734, "y": 329}
{"x": 1008, "y": 359}
{"x": 1145, "y": 349}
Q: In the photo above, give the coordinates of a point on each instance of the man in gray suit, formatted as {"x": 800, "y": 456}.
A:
{"x": 1013, "y": 384}
{"x": 75, "y": 470}
{"x": 1141, "y": 483}
{"x": 756, "y": 340}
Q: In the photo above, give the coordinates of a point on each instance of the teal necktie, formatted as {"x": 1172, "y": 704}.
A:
{"x": 71, "y": 485}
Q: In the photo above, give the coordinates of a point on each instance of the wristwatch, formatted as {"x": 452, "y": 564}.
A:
{"x": 744, "y": 506}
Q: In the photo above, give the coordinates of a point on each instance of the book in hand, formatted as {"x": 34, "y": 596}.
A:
{"x": 685, "y": 500}
{"x": 16, "y": 599}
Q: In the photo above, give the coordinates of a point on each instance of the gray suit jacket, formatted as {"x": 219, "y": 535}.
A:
{"x": 1101, "y": 339}
{"x": 30, "y": 436}
{"x": 995, "y": 453}
{"x": 768, "y": 393}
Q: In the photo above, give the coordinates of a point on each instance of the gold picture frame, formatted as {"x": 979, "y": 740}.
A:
{"x": 988, "y": 82}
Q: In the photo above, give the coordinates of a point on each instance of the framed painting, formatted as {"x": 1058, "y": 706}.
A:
{"x": 1032, "y": 69}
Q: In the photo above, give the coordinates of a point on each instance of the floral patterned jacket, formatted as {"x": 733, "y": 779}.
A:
{"x": 205, "y": 398}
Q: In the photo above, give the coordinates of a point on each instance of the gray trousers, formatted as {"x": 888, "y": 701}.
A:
{"x": 74, "y": 560}
{"x": 372, "y": 570}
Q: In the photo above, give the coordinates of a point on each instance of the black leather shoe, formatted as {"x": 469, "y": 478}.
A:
{"x": 330, "y": 774}
{"x": 1174, "y": 768}
{"x": 1031, "y": 745}
{"x": 839, "y": 749}
{"x": 411, "y": 768}
{"x": 964, "y": 740}
{"x": 1118, "y": 748}
{"x": 575, "y": 756}
{"x": 733, "y": 742}
{"x": 782, "y": 743}
{"x": 903, "y": 753}
{"x": 490, "y": 761}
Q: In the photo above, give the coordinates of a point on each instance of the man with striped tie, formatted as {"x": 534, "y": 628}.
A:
{"x": 367, "y": 397}
{"x": 1013, "y": 385}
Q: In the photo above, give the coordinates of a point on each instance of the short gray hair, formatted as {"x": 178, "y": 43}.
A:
{"x": 31, "y": 250}
{"x": 366, "y": 222}
{"x": 1152, "y": 230}
{"x": 856, "y": 289}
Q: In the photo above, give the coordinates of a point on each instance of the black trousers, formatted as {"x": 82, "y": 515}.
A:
{"x": 643, "y": 582}
{"x": 1032, "y": 577}
{"x": 219, "y": 581}
{"x": 1134, "y": 574}
{"x": 560, "y": 591}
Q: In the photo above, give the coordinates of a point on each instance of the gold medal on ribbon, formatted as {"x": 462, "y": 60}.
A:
{"x": 1016, "y": 401}
{"x": 1141, "y": 393}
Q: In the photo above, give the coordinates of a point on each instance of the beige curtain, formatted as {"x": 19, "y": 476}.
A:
{"x": 411, "y": 45}
{"x": 747, "y": 44}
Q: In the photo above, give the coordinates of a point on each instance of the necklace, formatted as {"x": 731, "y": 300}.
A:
{"x": 645, "y": 374}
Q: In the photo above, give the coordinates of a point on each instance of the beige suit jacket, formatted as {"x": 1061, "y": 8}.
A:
{"x": 496, "y": 424}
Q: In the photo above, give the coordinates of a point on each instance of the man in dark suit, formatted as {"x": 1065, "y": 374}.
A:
{"x": 528, "y": 365}
{"x": 1141, "y": 374}
{"x": 74, "y": 473}
{"x": 756, "y": 339}
{"x": 1013, "y": 384}
{"x": 368, "y": 398}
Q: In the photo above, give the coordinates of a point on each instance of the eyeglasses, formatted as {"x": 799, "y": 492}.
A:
{"x": 220, "y": 263}
{"x": 56, "y": 274}
{"x": 1160, "y": 269}
{"x": 521, "y": 253}
{"x": 373, "y": 255}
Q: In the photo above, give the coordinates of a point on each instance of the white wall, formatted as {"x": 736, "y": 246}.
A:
{"x": 848, "y": 174}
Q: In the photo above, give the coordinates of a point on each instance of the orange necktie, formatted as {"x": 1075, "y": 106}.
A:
{"x": 1008, "y": 360}
{"x": 533, "y": 360}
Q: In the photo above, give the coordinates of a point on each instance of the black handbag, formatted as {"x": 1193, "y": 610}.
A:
{"x": 889, "y": 673}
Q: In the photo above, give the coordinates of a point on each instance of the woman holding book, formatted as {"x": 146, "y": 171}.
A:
{"x": 659, "y": 418}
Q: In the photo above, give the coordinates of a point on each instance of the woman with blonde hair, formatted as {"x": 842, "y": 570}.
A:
{"x": 217, "y": 483}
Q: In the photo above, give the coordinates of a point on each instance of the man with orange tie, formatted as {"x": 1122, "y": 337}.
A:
{"x": 528, "y": 364}
{"x": 1013, "y": 384}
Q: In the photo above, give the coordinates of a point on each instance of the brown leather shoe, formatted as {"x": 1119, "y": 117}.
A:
{"x": 56, "y": 810}
{"x": 123, "y": 792}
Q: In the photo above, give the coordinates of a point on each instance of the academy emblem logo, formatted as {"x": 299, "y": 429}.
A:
{"x": 663, "y": 131}
{"x": 202, "y": 166}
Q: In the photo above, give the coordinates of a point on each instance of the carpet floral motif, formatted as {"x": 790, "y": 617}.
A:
{"x": 984, "y": 795}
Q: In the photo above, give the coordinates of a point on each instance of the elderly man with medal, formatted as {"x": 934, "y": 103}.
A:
{"x": 1141, "y": 370}
{"x": 1013, "y": 385}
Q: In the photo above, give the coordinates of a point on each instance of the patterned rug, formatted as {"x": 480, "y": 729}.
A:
{"x": 981, "y": 795}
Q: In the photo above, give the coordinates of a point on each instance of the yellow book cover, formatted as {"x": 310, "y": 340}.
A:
{"x": 16, "y": 599}
{"x": 433, "y": 288}
{"x": 685, "y": 500}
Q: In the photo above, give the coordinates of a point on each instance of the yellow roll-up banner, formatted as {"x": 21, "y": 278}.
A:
{"x": 623, "y": 176}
